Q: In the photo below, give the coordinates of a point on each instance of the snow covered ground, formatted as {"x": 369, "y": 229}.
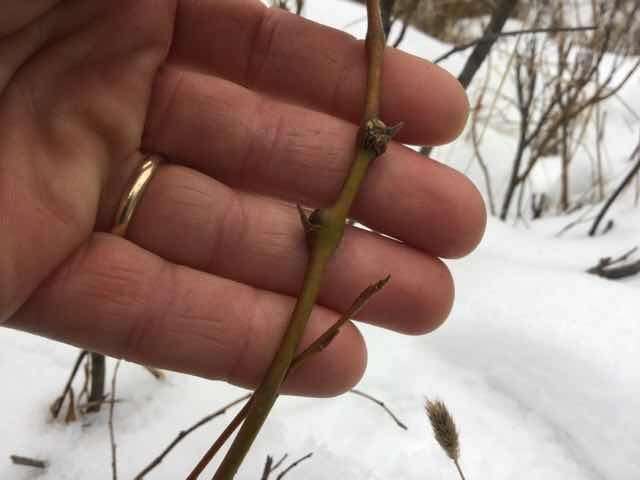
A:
{"x": 538, "y": 364}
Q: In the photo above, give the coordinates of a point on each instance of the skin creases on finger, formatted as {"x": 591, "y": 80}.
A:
{"x": 16, "y": 14}
{"x": 116, "y": 298}
{"x": 191, "y": 219}
{"x": 323, "y": 68}
{"x": 263, "y": 145}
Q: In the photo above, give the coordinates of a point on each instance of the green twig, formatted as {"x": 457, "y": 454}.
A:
{"x": 328, "y": 226}
{"x": 318, "y": 345}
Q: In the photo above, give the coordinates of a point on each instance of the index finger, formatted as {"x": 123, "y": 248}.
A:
{"x": 278, "y": 53}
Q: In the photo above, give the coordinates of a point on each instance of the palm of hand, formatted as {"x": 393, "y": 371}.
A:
{"x": 252, "y": 109}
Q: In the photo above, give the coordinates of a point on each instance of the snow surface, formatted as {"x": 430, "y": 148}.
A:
{"x": 538, "y": 364}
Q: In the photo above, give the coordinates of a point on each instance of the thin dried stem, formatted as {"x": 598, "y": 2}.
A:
{"x": 84, "y": 392}
{"x": 490, "y": 37}
{"x": 268, "y": 468}
{"x": 184, "y": 433}
{"x": 112, "y": 434}
{"x": 281, "y": 461}
{"x": 220, "y": 441}
{"x": 293, "y": 465}
{"x": 57, "y": 404}
{"x": 457, "y": 464}
{"x": 381, "y": 405}
{"x": 71, "y": 416}
{"x": 625, "y": 182}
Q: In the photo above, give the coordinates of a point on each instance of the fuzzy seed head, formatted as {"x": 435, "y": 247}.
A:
{"x": 444, "y": 428}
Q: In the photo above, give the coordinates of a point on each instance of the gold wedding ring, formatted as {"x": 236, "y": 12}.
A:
{"x": 130, "y": 201}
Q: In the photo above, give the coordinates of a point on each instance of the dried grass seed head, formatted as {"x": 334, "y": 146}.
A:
{"x": 444, "y": 428}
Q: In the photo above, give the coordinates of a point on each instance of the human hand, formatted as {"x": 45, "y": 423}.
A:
{"x": 254, "y": 109}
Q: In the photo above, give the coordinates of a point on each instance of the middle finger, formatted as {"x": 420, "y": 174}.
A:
{"x": 260, "y": 144}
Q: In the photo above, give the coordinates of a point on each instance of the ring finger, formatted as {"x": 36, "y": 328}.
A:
{"x": 191, "y": 219}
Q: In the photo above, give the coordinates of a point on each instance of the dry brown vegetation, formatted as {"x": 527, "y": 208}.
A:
{"x": 581, "y": 54}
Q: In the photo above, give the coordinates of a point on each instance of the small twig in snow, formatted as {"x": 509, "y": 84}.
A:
{"x": 382, "y": 405}
{"x": 270, "y": 467}
{"x": 293, "y": 465}
{"x": 84, "y": 392}
{"x": 112, "y": 436}
{"x": 280, "y": 462}
{"x": 156, "y": 461}
{"x": 635, "y": 170}
{"x": 583, "y": 218}
{"x": 83, "y": 407}
{"x": 610, "y": 268}
{"x": 57, "y": 404}
{"x": 28, "y": 462}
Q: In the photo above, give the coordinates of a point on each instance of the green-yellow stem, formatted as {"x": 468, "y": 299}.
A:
{"x": 267, "y": 393}
{"x": 327, "y": 239}
{"x": 351, "y": 186}
{"x": 325, "y": 235}
{"x": 318, "y": 345}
